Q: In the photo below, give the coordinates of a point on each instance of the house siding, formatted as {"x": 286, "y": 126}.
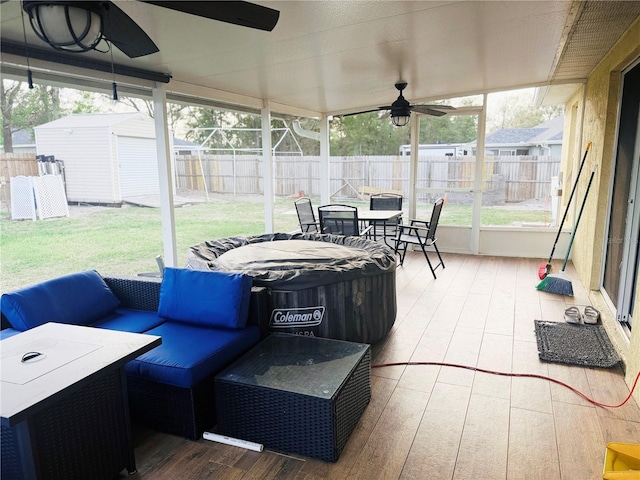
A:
{"x": 86, "y": 153}
{"x": 140, "y": 126}
{"x": 601, "y": 98}
{"x": 90, "y": 148}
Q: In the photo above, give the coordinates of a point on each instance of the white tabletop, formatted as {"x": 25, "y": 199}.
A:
{"x": 69, "y": 354}
{"x": 379, "y": 215}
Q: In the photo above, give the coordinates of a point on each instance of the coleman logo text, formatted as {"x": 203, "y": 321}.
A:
{"x": 296, "y": 317}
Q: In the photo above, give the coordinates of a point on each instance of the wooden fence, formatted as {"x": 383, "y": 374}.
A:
{"x": 521, "y": 177}
{"x": 12, "y": 165}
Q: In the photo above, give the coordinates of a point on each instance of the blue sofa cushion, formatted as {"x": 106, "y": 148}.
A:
{"x": 208, "y": 299}
{"x": 130, "y": 320}
{"x": 190, "y": 353}
{"x": 8, "y": 332}
{"x": 78, "y": 298}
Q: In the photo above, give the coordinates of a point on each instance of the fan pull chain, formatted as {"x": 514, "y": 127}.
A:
{"x": 114, "y": 87}
{"x": 26, "y": 48}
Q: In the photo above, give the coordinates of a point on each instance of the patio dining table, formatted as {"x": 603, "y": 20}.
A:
{"x": 383, "y": 218}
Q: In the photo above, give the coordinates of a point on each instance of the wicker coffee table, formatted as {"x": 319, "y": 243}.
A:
{"x": 296, "y": 394}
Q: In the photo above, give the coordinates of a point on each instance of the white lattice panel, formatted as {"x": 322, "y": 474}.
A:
{"x": 23, "y": 205}
{"x": 50, "y": 197}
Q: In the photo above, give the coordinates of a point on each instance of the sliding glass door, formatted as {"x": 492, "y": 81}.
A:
{"x": 622, "y": 258}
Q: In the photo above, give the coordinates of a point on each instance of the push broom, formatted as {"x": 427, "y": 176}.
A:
{"x": 560, "y": 283}
{"x": 545, "y": 268}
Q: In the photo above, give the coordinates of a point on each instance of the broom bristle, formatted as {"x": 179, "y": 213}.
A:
{"x": 557, "y": 283}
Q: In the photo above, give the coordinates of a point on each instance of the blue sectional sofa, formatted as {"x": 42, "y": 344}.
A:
{"x": 202, "y": 318}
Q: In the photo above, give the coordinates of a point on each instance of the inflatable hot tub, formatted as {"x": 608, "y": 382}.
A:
{"x": 318, "y": 285}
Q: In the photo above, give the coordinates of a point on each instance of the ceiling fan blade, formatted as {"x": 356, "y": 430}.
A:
{"x": 437, "y": 106}
{"x": 124, "y": 33}
{"x": 245, "y": 14}
{"x": 364, "y": 111}
{"x": 427, "y": 110}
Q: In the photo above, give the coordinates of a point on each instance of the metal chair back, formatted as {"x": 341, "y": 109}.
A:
{"x": 422, "y": 233}
{"x": 306, "y": 217}
{"x": 385, "y": 201}
{"x": 435, "y": 218}
{"x": 339, "y": 219}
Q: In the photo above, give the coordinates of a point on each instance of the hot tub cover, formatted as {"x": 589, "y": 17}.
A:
{"x": 294, "y": 261}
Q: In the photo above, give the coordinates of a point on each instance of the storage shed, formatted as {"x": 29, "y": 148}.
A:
{"x": 108, "y": 158}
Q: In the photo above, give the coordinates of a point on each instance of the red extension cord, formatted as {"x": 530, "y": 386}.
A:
{"x": 506, "y": 374}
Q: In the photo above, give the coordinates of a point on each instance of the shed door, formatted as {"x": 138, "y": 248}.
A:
{"x": 138, "y": 166}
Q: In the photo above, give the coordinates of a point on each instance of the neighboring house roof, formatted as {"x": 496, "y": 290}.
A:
{"x": 22, "y": 137}
{"x": 556, "y": 138}
{"x": 552, "y": 131}
{"x": 513, "y": 135}
{"x": 545, "y": 133}
{"x": 178, "y": 142}
{"x": 90, "y": 120}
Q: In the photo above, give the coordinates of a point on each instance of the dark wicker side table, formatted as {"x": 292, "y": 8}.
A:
{"x": 296, "y": 394}
{"x": 66, "y": 415}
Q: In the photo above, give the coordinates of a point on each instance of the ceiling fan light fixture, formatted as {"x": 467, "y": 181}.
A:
{"x": 400, "y": 109}
{"x": 70, "y": 26}
{"x": 400, "y": 119}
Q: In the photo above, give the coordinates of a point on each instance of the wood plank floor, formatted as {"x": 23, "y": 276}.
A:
{"x": 431, "y": 422}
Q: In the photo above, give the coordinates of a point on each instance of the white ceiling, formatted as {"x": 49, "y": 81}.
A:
{"x": 328, "y": 57}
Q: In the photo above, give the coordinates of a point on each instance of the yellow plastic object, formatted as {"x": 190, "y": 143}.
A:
{"x": 622, "y": 461}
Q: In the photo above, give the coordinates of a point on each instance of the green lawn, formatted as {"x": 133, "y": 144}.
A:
{"x": 126, "y": 240}
{"x": 120, "y": 240}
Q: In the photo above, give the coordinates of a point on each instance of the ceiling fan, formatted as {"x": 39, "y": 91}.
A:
{"x": 401, "y": 109}
{"x": 79, "y": 26}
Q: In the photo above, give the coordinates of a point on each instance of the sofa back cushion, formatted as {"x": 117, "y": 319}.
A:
{"x": 78, "y": 298}
{"x": 211, "y": 299}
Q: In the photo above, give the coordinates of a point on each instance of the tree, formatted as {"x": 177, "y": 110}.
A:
{"x": 23, "y": 109}
{"x": 532, "y": 116}
{"x": 366, "y": 134}
{"x": 201, "y": 121}
{"x": 175, "y": 111}
{"x": 291, "y": 141}
{"x": 36, "y": 106}
{"x": 448, "y": 129}
{"x": 8, "y": 94}
{"x": 244, "y": 131}
{"x": 517, "y": 110}
{"x": 85, "y": 102}
{"x": 138, "y": 104}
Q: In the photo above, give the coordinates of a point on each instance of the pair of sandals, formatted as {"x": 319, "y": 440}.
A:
{"x": 590, "y": 315}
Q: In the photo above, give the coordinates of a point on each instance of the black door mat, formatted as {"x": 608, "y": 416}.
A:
{"x": 575, "y": 344}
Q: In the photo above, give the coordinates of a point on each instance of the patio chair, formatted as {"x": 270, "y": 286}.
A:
{"x": 421, "y": 233}
{"x": 385, "y": 201}
{"x": 339, "y": 219}
{"x": 306, "y": 217}
{"x": 159, "y": 273}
